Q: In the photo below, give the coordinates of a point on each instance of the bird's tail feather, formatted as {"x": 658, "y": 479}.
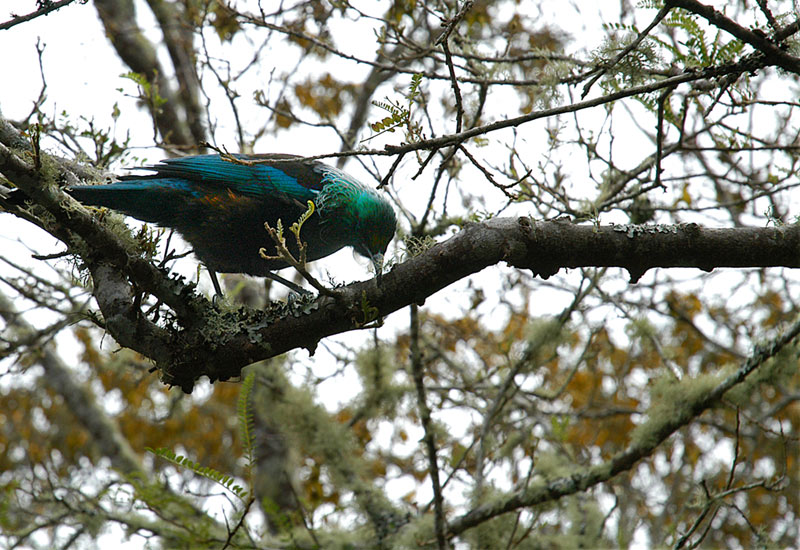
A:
{"x": 134, "y": 199}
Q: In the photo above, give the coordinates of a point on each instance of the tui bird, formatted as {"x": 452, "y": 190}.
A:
{"x": 220, "y": 206}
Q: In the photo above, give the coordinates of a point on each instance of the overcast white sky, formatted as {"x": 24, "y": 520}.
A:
{"x": 83, "y": 78}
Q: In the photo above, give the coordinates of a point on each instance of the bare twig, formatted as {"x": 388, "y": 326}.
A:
{"x": 662, "y": 101}
{"x": 239, "y": 524}
{"x": 425, "y": 418}
{"x": 452, "y": 22}
{"x": 454, "y": 82}
{"x": 46, "y": 8}
{"x": 390, "y": 173}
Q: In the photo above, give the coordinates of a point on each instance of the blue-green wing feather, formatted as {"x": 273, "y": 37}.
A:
{"x": 260, "y": 176}
{"x": 182, "y": 188}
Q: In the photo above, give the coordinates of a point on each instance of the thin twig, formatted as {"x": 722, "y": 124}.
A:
{"x": 425, "y": 418}
{"x": 767, "y": 13}
{"x": 662, "y": 100}
{"x": 239, "y": 524}
{"x": 47, "y": 8}
{"x": 504, "y": 188}
{"x": 452, "y": 22}
{"x": 735, "y": 453}
{"x": 454, "y": 81}
{"x": 424, "y": 164}
{"x": 390, "y": 173}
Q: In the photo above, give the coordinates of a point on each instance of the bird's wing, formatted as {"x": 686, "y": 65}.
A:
{"x": 281, "y": 177}
{"x": 181, "y": 191}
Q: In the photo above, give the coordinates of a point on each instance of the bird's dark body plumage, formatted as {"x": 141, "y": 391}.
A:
{"x": 220, "y": 206}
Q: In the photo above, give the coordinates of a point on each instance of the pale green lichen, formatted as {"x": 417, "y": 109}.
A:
{"x": 552, "y": 464}
{"x": 776, "y": 372}
{"x": 307, "y": 426}
{"x": 381, "y": 393}
{"x": 416, "y": 245}
{"x": 633, "y": 231}
{"x": 419, "y": 534}
{"x": 672, "y": 400}
{"x": 544, "y": 335}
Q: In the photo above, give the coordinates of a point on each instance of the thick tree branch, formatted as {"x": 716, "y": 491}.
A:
{"x": 544, "y": 248}
{"x": 206, "y": 341}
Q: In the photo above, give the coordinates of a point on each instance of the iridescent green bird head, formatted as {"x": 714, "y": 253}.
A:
{"x": 358, "y": 214}
{"x": 375, "y": 227}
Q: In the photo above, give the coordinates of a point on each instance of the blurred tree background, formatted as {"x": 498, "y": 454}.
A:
{"x": 508, "y": 411}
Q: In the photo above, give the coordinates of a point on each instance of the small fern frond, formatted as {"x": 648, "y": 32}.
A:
{"x": 226, "y": 481}
{"x": 244, "y": 412}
